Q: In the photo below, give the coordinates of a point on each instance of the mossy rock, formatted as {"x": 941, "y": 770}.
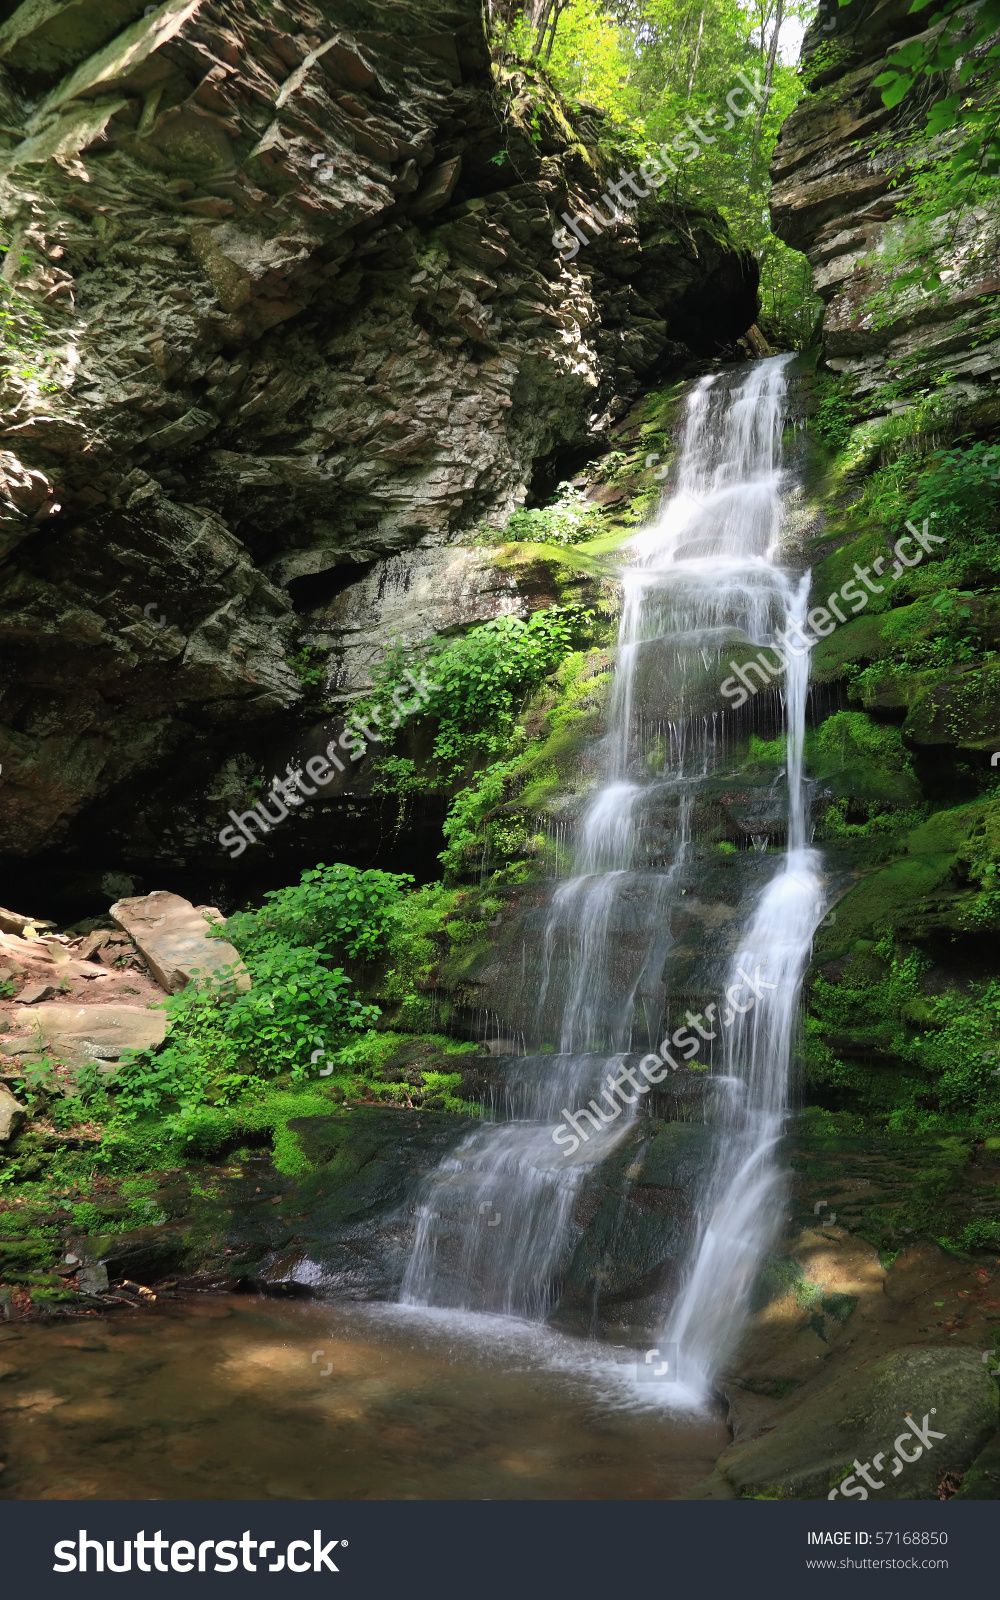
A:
{"x": 858, "y": 1414}
{"x": 982, "y": 1481}
{"x": 919, "y": 892}
{"x": 21, "y": 1257}
{"x": 962, "y": 709}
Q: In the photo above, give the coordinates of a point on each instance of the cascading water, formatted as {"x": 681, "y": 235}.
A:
{"x": 744, "y": 1193}
{"x": 494, "y": 1220}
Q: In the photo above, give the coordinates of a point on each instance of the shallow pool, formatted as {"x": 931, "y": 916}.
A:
{"x": 218, "y": 1397}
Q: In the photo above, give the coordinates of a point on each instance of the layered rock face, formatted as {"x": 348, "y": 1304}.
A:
{"x": 283, "y": 299}
{"x": 840, "y": 174}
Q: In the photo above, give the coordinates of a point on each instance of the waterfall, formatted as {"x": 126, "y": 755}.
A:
{"x": 744, "y": 1192}
{"x": 705, "y": 581}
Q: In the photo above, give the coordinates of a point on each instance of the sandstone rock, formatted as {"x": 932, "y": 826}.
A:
{"x": 15, "y": 923}
{"x": 79, "y": 1034}
{"x": 12, "y": 1114}
{"x": 172, "y": 935}
{"x": 88, "y": 949}
{"x": 32, "y": 993}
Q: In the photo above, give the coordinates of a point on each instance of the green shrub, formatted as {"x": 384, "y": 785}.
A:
{"x": 334, "y": 908}
{"x": 485, "y": 677}
{"x": 219, "y": 1041}
{"x": 568, "y": 519}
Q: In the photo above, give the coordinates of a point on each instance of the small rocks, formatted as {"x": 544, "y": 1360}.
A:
{"x": 33, "y": 993}
{"x": 93, "y": 1278}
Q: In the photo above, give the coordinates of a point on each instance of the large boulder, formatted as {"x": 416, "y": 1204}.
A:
{"x": 875, "y": 1413}
{"x": 173, "y": 936}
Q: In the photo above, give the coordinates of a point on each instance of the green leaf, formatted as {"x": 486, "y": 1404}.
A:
{"x": 897, "y": 91}
{"x": 912, "y": 54}
{"x": 944, "y": 114}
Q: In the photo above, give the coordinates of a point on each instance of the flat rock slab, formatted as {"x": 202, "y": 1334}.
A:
{"x": 173, "y": 937}
{"x": 89, "y": 1033}
{"x": 15, "y": 922}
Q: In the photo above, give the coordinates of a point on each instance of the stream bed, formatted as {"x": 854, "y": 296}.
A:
{"x": 218, "y": 1397}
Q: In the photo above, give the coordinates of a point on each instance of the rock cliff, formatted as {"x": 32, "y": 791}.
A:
{"x": 281, "y": 299}
{"x": 842, "y": 169}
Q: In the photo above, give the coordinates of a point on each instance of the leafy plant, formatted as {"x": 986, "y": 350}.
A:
{"x": 484, "y": 678}
{"x": 310, "y": 666}
{"x": 568, "y": 519}
{"x": 331, "y": 908}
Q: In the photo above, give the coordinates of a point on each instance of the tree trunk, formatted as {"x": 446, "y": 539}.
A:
{"x": 541, "y": 11}
{"x": 697, "y": 52}
{"x": 769, "y": 72}
{"x": 557, "y": 11}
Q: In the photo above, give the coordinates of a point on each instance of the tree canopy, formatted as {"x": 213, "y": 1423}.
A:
{"x": 654, "y": 67}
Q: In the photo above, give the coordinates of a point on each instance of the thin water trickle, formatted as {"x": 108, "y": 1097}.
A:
{"x": 494, "y": 1221}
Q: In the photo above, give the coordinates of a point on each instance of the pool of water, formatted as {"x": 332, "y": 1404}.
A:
{"x": 219, "y": 1397}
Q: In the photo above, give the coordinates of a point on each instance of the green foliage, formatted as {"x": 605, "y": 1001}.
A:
{"x": 940, "y": 52}
{"x": 961, "y": 487}
{"x": 310, "y": 666}
{"x": 827, "y": 58}
{"x": 980, "y": 853}
{"x": 331, "y": 908}
{"x": 485, "y": 677}
{"x": 568, "y": 519}
{"x": 221, "y": 1042}
{"x": 836, "y": 411}
{"x": 944, "y": 1046}
{"x": 983, "y": 1233}
{"x": 852, "y": 738}
{"x": 462, "y": 827}
{"x": 951, "y": 167}
{"x": 412, "y": 949}
{"x": 493, "y": 821}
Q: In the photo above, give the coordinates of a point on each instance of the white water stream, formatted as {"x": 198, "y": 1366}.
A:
{"x": 705, "y": 582}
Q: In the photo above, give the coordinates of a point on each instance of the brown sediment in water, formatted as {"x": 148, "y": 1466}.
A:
{"x": 240, "y": 1397}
